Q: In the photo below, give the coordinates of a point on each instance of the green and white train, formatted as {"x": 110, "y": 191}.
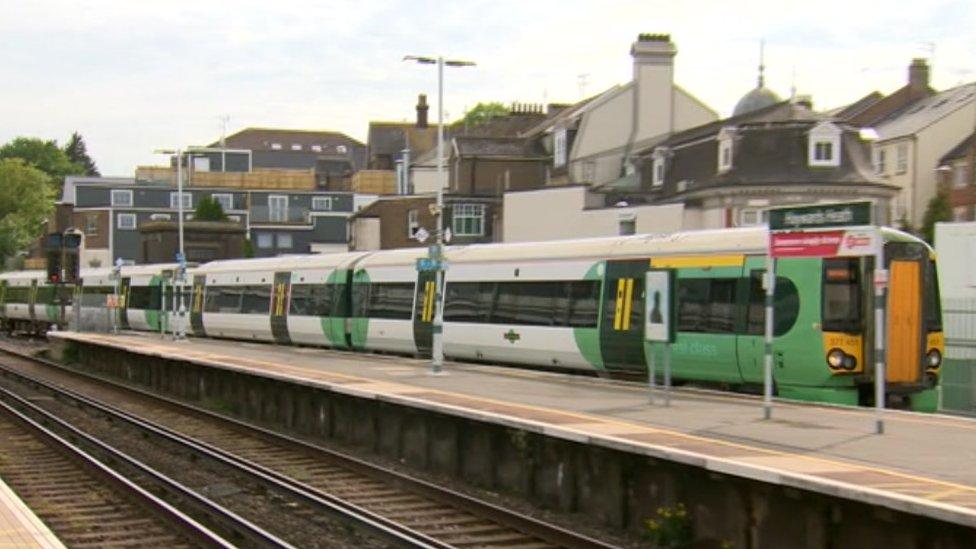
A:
{"x": 573, "y": 305}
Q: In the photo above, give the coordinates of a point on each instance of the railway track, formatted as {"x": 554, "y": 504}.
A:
{"x": 400, "y": 508}
{"x": 85, "y": 503}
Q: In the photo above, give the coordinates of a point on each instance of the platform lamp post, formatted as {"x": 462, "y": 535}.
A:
{"x": 436, "y": 252}
{"x": 179, "y": 332}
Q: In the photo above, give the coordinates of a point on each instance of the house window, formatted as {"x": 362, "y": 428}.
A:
{"x": 127, "y": 222}
{"x": 749, "y": 217}
{"x": 296, "y": 146}
{"x": 959, "y": 176}
{"x": 824, "y": 145}
{"x": 412, "y": 223}
{"x": 284, "y": 241}
{"x": 276, "y": 146}
{"x": 265, "y": 240}
{"x": 627, "y": 226}
{"x": 879, "y": 161}
{"x": 187, "y": 200}
{"x": 725, "y": 155}
{"x": 122, "y": 198}
{"x": 160, "y": 217}
{"x": 589, "y": 171}
{"x": 91, "y": 225}
{"x": 657, "y": 167}
{"x": 559, "y": 148}
{"x": 201, "y": 163}
{"x": 341, "y": 149}
{"x": 322, "y": 203}
{"x": 225, "y": 200}
{"x": 901, "y": 158}
{"x": 278, "y": 207}
{"x": 469, "y": 220}
{"x": 960, "y": 213}
{"x": 317, "y": 148}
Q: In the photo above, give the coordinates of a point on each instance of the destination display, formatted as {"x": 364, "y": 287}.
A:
{"x": 838, "y": 243}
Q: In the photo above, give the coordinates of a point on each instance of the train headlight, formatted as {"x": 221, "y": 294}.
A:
{"x": 835, "y": 359}
{"x": 933, "y": 359}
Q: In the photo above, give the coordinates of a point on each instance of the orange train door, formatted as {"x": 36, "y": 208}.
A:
{"x": 905, "y": 322}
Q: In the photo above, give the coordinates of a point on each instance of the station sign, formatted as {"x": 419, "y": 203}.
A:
{"x": 426, "y": 264}
{"x": 820, "y": 216}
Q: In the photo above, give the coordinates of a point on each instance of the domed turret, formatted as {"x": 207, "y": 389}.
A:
{"x": 759, "y": 97}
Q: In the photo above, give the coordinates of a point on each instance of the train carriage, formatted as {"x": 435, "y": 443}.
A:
{"x": 142, "y": 289}
{"x": 28, "y": 303}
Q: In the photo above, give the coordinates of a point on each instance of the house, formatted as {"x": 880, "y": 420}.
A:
{"x": 912, "y": 142}
{"x": 332, "y": 156}
{"x": 594, "y": 141}
{"x": 957, "y": 175}
{"x": 875, "y": 107}
{"x": 409, "y": 221}
{"x": 111, "y": 212}
{"x": 387, "y": 141}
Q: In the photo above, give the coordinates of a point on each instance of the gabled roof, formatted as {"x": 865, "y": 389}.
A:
{"x": 846, "y": 112}
{"x": 261, "y": 138}
{"x": 566, "y": 114}
{"x": 962, "y": 150}
{"x": 391, "y": 137}
{"x": 923, "y": 113}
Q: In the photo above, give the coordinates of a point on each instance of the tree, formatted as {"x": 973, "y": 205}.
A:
{"x": 77, "y": 152}
{"x": 43, "y": 155}
{"x": 26, "y": 199}
{"x": 209, "y": 209}
{"x": 482, "y": 113}
{"x": 938, "y": 210}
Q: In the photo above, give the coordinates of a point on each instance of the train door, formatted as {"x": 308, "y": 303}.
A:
{"x": 423, "y": 311}
{"x": 3, "y": 300}
{"x": 751, "y": 301}
{"x": 32, "y": 300}
{"x": 196, "y": 305}
{"x": 622, "y": 320}
{"x": 905, "y": 333}
{"x": 123, "y": 311}
{"x": 279, "y": 307}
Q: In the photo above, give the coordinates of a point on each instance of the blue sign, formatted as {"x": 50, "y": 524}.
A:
{"x": 180, "y": 259}
{"x": 425, "y": 264}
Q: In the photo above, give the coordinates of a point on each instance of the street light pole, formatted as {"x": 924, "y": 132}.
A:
{"x": 179, "y": 328}
{"x": 436, "y": 252}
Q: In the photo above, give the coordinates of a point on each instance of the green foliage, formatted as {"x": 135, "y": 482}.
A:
{"x": 938, "y": 210}
{"x": 43, "y": 155}
{"x": 482, "y": 113}
{"x": 670, "y": 528}
{"x": 209, "y": 209}
{"x": 248, "y": 248}
{"x": 26, "y": 199}
{"x": 77, "y": 152}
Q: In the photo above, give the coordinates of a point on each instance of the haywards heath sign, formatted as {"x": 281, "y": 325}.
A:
{"x": 820, "y": 215}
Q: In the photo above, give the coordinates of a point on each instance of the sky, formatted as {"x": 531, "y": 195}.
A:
{"x": 136, "y": 76}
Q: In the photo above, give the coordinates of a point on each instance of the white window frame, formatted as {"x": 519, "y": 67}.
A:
{"x": 341, "y": 149}
{"x": 317, "y": 148}
{"x": 201, "y": 163}
{"x": 281, "y": 237}
{"x": 750, "y": 217}
{"x": 658, "y": 167}
{"x": 160, "y": 217}
{"x": 282, "y": 199}
{"x": 959, "y": 176}
{"x": 266, "y": 238}
{"x": 901, "y": 158}
{"x": 824, "y": 136}
{"x": 187, "y": 200}
{"x": 725, "y": 149}
{"x": 322, "y": 203}
{"x": 130, "y": 223}
{"x": 91, "y": 225}
{"x": 559, "y": 148}
{"x": 127, "y": 203}
{"x": 296, "y": 146}
{"x": 475, "y": 213}
{"x": 880, "y": 160}
{"x": 413, "y": 223}
{"x": 276, "y": 146}
{"x": 221, "y": 198}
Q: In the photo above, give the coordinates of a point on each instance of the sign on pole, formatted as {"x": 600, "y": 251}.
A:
{"x": 659, "y": 324}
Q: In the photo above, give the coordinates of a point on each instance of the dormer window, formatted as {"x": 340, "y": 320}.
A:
{"x": 824, "y": 145}
{"x": 725, "y": 141}
{"x": 658, "y": 166}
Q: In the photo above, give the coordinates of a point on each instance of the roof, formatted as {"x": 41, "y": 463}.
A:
{"x": 262, "y": 138}
{"x": 389, "y": 138}
{"x": 925, "y": 112}
{"x": 846, "y": 112}
{"x": 757, "y": 98}
{"x": 68, "y": 192}
{"x": 566, "y": 113}
{"x": 962, "y": 150}
{"x": 507, "y": 147}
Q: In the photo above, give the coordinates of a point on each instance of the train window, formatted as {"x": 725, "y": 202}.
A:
{"x": 311, "y": 300}
{"x": 256, "y": 300}
{"x": 841, "y": 304}
{"x": 692, "y": 304}
{"x": 536, "y": 303}
{"x": 18, "y": 294}
{"x": 139, "y": 297}
{"x": 786, "y": 302}
{"x": 933, "y": 302}
{"x": 219, "y": 299}
{"x": 392, "y": 300}
{"x": 584, "y": 303}
{"x": 45, "y": 295}
{"x": 467, "y": 302}
{"x": 94, "y": 296}
{"x": 721, "y": 308}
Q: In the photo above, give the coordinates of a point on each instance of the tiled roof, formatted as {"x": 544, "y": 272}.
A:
{"x": 962, "y": 150}
{"x": 262, "y": 138}
{"x": 920, "y": 114}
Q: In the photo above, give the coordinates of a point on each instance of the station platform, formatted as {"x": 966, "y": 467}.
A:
{"x": 922, "y": 465}
{"x": 20, "y": 527}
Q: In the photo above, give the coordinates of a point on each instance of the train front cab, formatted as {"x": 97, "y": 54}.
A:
{"x": 914, "y": 338}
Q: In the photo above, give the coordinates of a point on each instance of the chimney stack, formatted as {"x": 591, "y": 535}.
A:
{"x": 422, "y": 110}
{"x": 918, "y": 75}
{"x": 653, "y": 85}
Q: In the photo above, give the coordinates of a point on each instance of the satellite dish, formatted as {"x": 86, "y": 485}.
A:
{"x": 421, "y": 235}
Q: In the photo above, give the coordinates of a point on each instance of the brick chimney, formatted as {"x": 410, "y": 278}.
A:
{"x": 918, "y": 75}
{"x": 422, "y": 110}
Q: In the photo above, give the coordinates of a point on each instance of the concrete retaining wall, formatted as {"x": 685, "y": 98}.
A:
{"x": 618, "y": 489}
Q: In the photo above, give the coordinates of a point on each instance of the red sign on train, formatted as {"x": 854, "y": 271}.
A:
{"x": 822, "y": 243}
